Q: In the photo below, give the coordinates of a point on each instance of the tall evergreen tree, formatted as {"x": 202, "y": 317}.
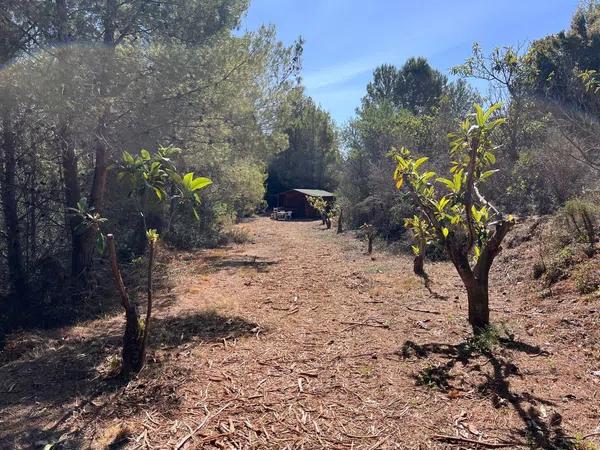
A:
{"x": 312, "y": 155}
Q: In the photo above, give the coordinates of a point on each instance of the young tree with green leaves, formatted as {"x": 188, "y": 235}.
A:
{"x": 462, "y": 221}
{"x": 151, "y": 177}
{"x": 423, "y": 236}
{"x": 156, "y": 176}
{"x": 324, "y": 208}
{"x": 369, "y": 232}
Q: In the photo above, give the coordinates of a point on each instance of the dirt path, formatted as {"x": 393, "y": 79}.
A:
{"x": 299, "y": 340}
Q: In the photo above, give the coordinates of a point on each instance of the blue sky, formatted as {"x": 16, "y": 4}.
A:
{"x": 346, "y": 39}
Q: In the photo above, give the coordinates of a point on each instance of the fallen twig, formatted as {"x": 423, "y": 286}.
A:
{"x": 362, "y": 436}
{"x": 451, "y": 439}
{"x": 366, "y": 323}
{"x": 293, "y": 311}
{"x": 199, "y": 427}
{"x": 309, "y": 374}
{"x": 213, "y": 438}
{"x": 583, "y": 438}
{"x": 423, "y": 310}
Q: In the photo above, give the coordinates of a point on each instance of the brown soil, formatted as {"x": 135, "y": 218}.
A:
{"x": 300, "y": 340}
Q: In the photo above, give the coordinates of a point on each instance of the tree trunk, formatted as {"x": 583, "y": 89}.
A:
{"x": 134, "y": 350}
{"x": 479, "y": 307}
{"x": 328, "y": 223}
{"x": 16, "y": 268}
{"x": 418, "y": 265}
{"x": 476, "y": 285}
{"x": 370, "y": 245}
{"x": 85, "y": 254}
{"x": 32, "y": 218}
{"x": 70, "y": 173}
{"x": 476, "y": 281}
{"x": 136, "y": 328}
{"x": 72, "y": 196}
{"x": 340, "y": 223}
{"x": 83, "y": 239}
{"x": 84, "y": 245}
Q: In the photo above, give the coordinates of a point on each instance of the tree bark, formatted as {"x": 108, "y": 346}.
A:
{"x": 419, "y": 261}
{"x": 69, "y": 162}
{"x": 476, "y": 279}
{"x": 340, "y": 223}
{"x": 478, "y": 301}
{"x": 31, "y": 253}
{"x": 134, "y": 352}
{"x": 84, "y": 242}
{"x": 418, "y": 264}
{"x": 134, "y": 349}
{"x": 16, "y": 268}
{"x": 476, "y": 285}
{"x": 370, "y": 245}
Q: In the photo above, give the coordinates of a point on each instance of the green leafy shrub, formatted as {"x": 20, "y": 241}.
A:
{"x": 580, "y": 215}
{"x": 243, "y": 188}
{"x": 433, "y": 377}
{"x": 586, "y": 277}
{"x": 486, "y": 340}
{"x": 557, "y": 268}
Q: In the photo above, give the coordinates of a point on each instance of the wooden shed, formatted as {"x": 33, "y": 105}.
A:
{"x": 296, "y": 200}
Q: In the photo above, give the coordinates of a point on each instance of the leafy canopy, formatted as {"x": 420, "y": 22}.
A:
{"x": 156, "y": 173}
{"x": 323, "y": 207}
{"x": 455, "y": 214}
{"x": 422, "y": 233}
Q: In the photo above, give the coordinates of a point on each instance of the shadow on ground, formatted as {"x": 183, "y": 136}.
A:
{"x": 216, "y": 263}
{"x": 69, "y": 376}
{"x": 536, "y": 431}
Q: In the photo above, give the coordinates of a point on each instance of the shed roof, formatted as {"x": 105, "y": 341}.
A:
{"x": 313, "y": 192}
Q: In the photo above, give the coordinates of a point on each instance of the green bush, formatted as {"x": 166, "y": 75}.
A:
{"x": 586, "y": 277}
{"x": 557, "y": 268}
{"x": 560, "y": 251}
{"x": 486, "y": 340}
{"x": 433, "y": 377}
{"x": 580, "y": 216}
{"x": 244, "y": 188}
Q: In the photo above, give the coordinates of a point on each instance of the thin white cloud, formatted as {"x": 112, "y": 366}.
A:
{"x": 337, "y": 95}
{"x": 340, "y": 73}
